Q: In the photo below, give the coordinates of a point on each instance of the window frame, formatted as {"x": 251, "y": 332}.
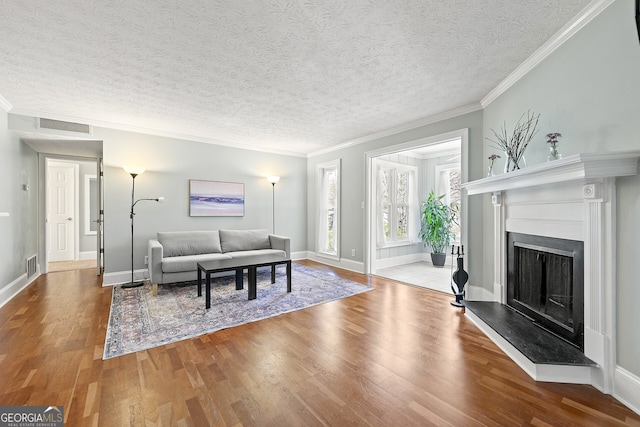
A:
{"x": 393, "y": 170}
{"x": 438, "y": 171}
{"x": 321, "y": 212}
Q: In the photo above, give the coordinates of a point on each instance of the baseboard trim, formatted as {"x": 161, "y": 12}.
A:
{"x": 83, "y": 256}
{"x": 346, "y": 264}
{"x": 477, "y": 293}
{"x": 14, "y": 288}
{"x": 401, "y": 260}
{"x": 626, "y": 388}
{"x": 120, "y": 277}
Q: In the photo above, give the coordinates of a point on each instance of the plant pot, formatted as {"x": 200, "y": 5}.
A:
{"x": 438, "y": 260}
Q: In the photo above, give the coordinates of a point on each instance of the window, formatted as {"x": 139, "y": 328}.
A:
{"x": 448, "y": 179}
{"x": 397, "y": 203}
{"x": 328, "y": 219}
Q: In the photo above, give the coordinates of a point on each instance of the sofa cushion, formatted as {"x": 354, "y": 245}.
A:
{"x": 178, "y": 264}
{"x": 261, "y": 256}
{"x": 244, "y": 240}
{"x": 181, "y": 243}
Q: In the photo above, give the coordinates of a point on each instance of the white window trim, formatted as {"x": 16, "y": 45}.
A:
{"x": 380, "y": 164}
{"x": 444, "y": 167}
{"x": 320, "y": 168}
{"x": 438, "y": 176}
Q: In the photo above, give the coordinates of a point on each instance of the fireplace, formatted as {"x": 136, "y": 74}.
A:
{"x": 545, "y": 281}
{"x": 573, "y": 199}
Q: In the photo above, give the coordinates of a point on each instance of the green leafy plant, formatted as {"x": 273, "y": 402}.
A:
{"x": 437, "y": 219}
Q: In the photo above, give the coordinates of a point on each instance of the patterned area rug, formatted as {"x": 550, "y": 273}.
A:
{"x": 139, "y": 321}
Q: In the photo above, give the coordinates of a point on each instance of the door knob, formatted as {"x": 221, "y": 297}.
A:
{"x": 69, "y": 219}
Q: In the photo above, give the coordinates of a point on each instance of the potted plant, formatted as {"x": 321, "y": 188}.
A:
{"x": 435, "y": 227}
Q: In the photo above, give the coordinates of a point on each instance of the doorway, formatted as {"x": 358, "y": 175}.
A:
{"x": 72, "y": 214}
{"x": 393, "y": 249}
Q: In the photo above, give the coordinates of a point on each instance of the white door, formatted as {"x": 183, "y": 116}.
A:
{"x": 61, "y": 213}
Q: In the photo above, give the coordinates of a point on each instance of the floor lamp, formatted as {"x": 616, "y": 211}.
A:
{"x": 273, "y": 180}
{"x": 135, "y": 171}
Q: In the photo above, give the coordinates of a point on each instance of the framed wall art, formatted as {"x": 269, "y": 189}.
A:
{"x": 216, "y": 198}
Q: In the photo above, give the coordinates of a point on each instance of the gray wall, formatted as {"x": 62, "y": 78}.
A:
{"x": 170, "y": 164}
{"x": 589, "y": 90}
{"x": 18, "y": 231}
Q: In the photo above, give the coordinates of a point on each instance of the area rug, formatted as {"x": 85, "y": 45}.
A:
{"x": 139, "y": 320}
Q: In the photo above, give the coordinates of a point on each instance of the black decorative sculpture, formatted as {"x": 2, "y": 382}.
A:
{"x": 459, "y": 277}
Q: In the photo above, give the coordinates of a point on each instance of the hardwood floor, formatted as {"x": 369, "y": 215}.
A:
{"x": 396, "y": 356}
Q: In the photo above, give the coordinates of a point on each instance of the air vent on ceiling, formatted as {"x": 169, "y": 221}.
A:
{"x": 66, "y": 126}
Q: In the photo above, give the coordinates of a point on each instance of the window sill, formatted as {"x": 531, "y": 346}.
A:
{"x": 398, "y": 244}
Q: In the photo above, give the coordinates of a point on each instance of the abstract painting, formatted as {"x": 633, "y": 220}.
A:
{"x": 216, "y": 198}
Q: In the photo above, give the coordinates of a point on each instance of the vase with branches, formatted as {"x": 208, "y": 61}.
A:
{"x": 516, "y": 143}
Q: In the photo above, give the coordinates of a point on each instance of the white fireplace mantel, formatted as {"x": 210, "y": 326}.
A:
{"x": 572, "y": 198}
{"x": 583, "y": 166}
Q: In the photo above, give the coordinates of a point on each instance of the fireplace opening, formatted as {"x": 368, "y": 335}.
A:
{"x": 545, "y": 281}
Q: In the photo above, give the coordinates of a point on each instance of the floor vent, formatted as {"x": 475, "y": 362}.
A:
{"x": 66, "y": 126}
{"x": 31, "y": 266}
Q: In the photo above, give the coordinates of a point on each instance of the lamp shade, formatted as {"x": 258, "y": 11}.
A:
{"x": 134, "y": 170}
{"x": 273, "y": 179}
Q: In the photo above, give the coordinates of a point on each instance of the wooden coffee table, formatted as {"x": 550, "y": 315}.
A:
{"x": 237, "y": 265}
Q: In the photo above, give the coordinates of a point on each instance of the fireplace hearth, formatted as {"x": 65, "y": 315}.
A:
{"x": 545, "y": 281}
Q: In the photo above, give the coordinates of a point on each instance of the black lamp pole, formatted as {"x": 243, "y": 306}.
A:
{"x": 134, "y": 284}
{"x": 273, "y": 205}
{"x": 273, "y": 180}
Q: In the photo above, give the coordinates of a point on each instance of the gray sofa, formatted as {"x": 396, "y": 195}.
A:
{"x": 174, "y": 255}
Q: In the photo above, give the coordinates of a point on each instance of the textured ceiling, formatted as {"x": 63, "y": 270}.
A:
{"x": 282, "y": 75}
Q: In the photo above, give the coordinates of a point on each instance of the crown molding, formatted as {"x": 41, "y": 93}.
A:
{"x": 5, "y": 105}
{"x": 565, "y": 33}
{"x": 402, "y": 128}
{"x": 148, "y": 131}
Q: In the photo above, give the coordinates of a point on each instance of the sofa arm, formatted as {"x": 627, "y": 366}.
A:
{"x": 155, "y": 261}
{"x": 282, "y": 243}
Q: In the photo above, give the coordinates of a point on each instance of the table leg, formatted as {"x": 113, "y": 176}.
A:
{"x": 289, "y": 276}
{"x": 199, "y": 282}
{"x": 239, "y": 279}
{"x": 252, "y": 273}
{"x": 273, "y": 273}
{"x": 208, "y": 291}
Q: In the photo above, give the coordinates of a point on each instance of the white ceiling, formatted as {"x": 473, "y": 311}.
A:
{"x": 290, "y": 76}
